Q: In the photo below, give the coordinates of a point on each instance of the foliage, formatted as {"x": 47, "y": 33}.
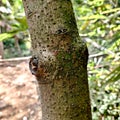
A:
{"x": 13, "y": 25}
{"x": 12, "y": 16}
{"x": 98, "y": 23}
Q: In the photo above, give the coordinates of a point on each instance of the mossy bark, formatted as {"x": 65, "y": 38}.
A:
{"x": 62, "y": 60}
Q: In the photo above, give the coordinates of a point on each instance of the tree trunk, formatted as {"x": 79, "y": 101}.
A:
{"x": 59, "y": 60}
{"x": 1, "y": 50}
{"x": 1, "y": 47}
{"x": 17, "y": 46}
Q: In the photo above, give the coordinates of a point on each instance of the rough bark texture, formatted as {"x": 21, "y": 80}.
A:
{"x": 59, "y": 60}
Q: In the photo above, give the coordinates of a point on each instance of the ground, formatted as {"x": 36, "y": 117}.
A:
{"x": 18, "y": 94}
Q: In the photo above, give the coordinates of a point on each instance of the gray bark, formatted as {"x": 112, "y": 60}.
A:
{"x": 59, "y": 60}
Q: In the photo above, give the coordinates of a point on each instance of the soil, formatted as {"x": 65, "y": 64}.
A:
{"x": 18, "y": 94}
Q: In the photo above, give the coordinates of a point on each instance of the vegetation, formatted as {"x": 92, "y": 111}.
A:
{"x": 99, "y": 25}
{"x": 13, "y": 27}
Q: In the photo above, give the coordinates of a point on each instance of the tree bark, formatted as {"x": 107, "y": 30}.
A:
{"x": 1, "y": 50}
{"x": 59, "y": 60}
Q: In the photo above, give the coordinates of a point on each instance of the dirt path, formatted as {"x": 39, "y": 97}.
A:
{"x": 18, "y": 96}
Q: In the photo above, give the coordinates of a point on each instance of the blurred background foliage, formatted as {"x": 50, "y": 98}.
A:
{"x": 99, "y": 25}
{"x": 13, "y": 29}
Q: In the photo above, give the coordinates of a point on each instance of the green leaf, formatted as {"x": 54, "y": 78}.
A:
{"x": 111, "y": 10}
{"x": 5, "y": 36}
{"x": 23, "y": 22}
{"x": 113, "y": 76}
{"x": 92, "y": 17}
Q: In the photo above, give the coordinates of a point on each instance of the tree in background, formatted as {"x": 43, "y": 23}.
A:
{"x": 59, "y": 60}
{"x": 1, "y": 50}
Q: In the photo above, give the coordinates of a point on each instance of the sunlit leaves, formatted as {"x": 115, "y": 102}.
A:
{"x": 92, "y": 17}
{"x": 113, "y": 76}
{"x": 99, "y": 25}
{"x": 6, "y": 35}
{"x": 13, "y": 14}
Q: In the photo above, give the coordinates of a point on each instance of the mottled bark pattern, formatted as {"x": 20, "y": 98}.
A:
{"x": 62, "y": 60}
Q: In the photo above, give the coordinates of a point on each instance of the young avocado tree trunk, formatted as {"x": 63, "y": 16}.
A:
{"x": 59, "y": 60}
